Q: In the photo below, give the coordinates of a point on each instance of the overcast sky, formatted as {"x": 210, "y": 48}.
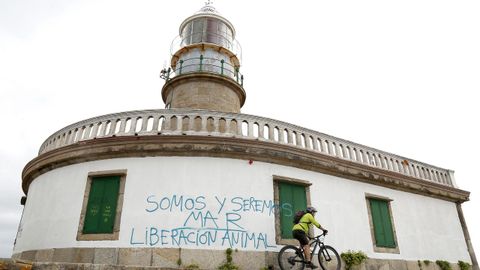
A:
{"x": 400, "y": 76}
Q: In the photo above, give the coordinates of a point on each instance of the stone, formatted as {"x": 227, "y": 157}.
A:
{"x": 412, "y": 265}
{"x": 85, "y": 266}
{"x": 455, "y": 266}
{"x": 28, "y": 255}
{"x": 44, "y": 255}
{"x": 204, "y": 92}
{"x": 165, "y": 257}
{"x": 430, "y": 266}
{"x": 105, "y": 256}
{"x": 397, "y": 264}
{"x": 362, "y": 266}
{"x": 377, "y": 264}
{"x": 73, "y": 255}
{"x": 271, "y": 259}
{"x": 249, "y": 259}
{"x": 16, "y": 256}
{"x": 135, "y": 256}
{"x": 205, "y": 259}
{"x": 106, "y": 267}
{"x": 69, "y": 266}
{"x": 48, "y": 266}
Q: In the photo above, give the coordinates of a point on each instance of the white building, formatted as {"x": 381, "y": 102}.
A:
{"x": 180, "y": 185}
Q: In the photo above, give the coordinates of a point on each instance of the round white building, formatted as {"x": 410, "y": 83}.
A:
{"x": 178, "y": 186}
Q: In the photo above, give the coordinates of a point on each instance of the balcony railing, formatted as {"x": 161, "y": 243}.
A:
{"x": 204, "y": 64}
{"x": 200, "y": 122}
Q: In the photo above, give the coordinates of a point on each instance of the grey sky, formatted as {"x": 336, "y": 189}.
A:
{"x": 397, "y": 76}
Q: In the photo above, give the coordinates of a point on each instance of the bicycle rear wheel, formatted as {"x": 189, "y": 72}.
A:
{"x": 329, "y": 259}
{"x": 291, "y": 258}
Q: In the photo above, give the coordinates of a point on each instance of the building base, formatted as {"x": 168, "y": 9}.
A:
{"x": 178, "y": 258}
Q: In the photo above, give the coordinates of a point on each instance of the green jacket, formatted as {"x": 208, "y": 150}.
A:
{"x": 304, "y": 223}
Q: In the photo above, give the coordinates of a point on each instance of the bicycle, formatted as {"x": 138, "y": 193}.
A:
{"x": 291, "y": 257}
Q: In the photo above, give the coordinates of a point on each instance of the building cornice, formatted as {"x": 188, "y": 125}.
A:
{"x": 236, "y": 148}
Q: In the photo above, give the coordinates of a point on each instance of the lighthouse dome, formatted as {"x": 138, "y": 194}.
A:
{"x": 208, "y": 8}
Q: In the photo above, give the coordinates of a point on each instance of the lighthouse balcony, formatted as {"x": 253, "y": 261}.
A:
{"x": 203, "y": 64}
{"x": 228, "y": 132}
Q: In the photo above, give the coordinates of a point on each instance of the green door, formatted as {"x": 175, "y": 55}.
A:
{"x": 382, "y": 223}
{"x": 102, "y": 205}
{"x": 293, "y": 198}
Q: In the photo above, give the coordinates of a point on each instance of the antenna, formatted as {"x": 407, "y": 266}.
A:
{"x": 165, "y": 73}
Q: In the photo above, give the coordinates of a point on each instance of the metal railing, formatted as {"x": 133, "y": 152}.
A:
{"x": 204, "y": 64}
{"x": 201, "y": 122}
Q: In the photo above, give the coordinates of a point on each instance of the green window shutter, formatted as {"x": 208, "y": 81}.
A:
{"x": 294, "y": 195}
{"x": 382, "y": 223}
{"x": 102, "y": 205}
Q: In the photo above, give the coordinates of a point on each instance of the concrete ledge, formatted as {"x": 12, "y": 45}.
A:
{"x": 105, "y": 256}
{"x": 44, "y": 255}
{"x": 28, "y": 255}
{"x": 135, "y": 256}
{"x": 73, "y": 255}
{"x": 74, "y": 266}
{"x": 168, "y": 259}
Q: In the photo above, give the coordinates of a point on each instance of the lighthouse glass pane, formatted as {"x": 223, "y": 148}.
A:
{"x": 102, "y": 205}
{"x": 293, "y": 198}
{"x": 222, "y": 28}
{"x": 222, "y": 34}
{"x": 187, "y": 34}
{"x": 197, "y": 32}
{"x": 229, "y": 34}
{"x": 382, "y": 223}
{"x": 212, "y": 34}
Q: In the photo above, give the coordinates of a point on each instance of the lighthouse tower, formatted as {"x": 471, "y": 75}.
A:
{"x": 205, "y": 65}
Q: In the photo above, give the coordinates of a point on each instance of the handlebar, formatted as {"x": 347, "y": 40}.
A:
{"x": 320, "y": 235}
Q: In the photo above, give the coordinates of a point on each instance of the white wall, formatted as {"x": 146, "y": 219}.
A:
{"x": 426, "y": 228}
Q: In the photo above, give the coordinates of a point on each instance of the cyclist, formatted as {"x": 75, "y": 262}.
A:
{"x": 300, "y": 232}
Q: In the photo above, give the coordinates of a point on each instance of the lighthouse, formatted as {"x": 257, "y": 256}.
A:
{"x": 205, "y": 65}
{"x": 179, "y": 187}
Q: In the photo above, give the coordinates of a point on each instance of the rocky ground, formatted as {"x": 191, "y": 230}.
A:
{"x": 8, "y": 264}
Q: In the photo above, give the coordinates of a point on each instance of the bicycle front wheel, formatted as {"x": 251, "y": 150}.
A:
{"x": 329, "y": 259}
{"x": 291, "y": 258}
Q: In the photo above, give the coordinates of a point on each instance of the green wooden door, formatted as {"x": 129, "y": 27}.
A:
{"x": 293, "y": 198}
{"x": 382, "y": 223}
{"x": 102, "y": 205}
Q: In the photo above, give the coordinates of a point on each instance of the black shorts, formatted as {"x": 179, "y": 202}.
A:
{"x": 301, "y": 236}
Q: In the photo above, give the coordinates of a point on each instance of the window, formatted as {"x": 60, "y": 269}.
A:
{"x": 381, "y": 224}
{"x": 291, "y": 195}
{"x": 197, "y": 30}
{"x": 102, "y": 204}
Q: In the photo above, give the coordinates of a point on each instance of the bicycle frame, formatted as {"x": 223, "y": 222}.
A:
{"x": 314, "y": 244}
{"x": 318, "y": 243}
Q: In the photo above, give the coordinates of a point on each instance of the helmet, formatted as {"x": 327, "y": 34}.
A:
{"x": 311, "y": 209}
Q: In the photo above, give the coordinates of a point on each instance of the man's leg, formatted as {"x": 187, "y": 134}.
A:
{"x": 306, "y": 251}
